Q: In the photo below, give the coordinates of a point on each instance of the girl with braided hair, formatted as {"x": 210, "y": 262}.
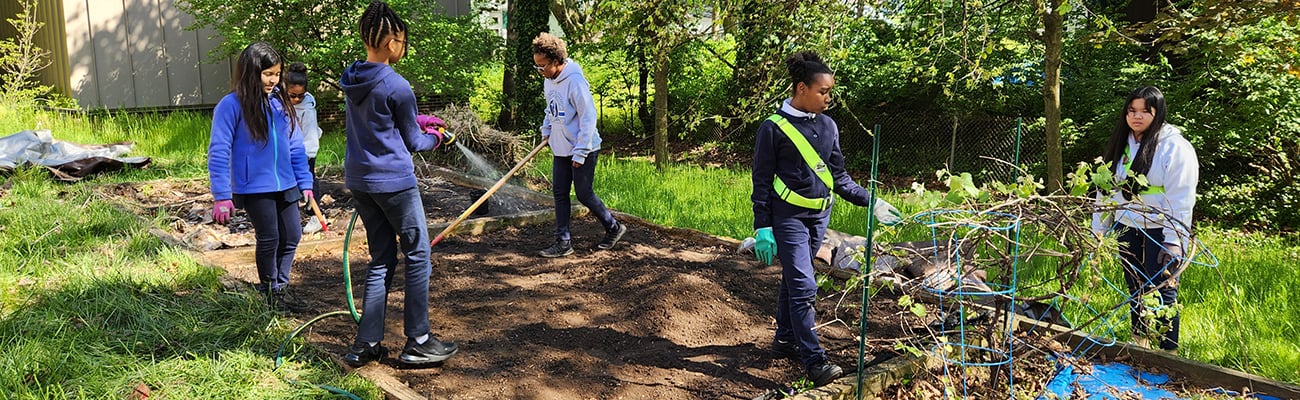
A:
{"x": 382, "y": 131}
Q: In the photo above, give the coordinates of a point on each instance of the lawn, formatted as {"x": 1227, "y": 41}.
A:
{"x": 92, "y": 305}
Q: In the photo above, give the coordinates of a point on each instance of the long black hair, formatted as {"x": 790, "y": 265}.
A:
{"x": 1115, "y": 148}
{"x": 804, "y": 66}
{"x": 254, "y": 103}
{"x": 378, "y": 22}
{"x": 295, "y": 75}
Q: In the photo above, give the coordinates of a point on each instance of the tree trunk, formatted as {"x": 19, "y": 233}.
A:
{"x": 661, "y": 110}
{"x": 1052, "y": 43}
{"x": 643, "y": 89}
{"x": 521, "y": 92}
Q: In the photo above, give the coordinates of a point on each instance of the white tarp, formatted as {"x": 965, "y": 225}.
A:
{"x": 69, "y": 161}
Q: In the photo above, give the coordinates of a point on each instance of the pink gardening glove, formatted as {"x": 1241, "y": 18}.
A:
{"x": 307, "y": 195}
{"x": 221, "y": 211}
{"x": 429, "y": 123}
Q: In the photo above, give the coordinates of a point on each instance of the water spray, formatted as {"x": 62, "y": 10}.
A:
{"x": 490, "y": 191}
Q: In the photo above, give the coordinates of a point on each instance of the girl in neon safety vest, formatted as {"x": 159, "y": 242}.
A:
{"x": 1153, "y": 222}
{"x": 797, "y": 166}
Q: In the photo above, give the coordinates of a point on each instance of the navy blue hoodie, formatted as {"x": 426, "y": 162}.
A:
{"x": 775, "y": 155}
{"x": 381, "y": 129}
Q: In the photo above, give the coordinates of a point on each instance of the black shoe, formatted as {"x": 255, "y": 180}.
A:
{"x": 612, "y": 237}
{"x": 432, "y": 351}
{"x": 824, "y": 373}
{"x": 785, "y": 349}
{"x": 561, "y": 248}
{"x": 361, "y": 354}
{"x": 284, "y": 300}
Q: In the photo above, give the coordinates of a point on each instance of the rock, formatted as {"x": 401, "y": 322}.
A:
{"x": 203, "y": 239}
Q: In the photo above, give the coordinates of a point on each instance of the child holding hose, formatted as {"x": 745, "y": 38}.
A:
{"x": 382, "y": 131}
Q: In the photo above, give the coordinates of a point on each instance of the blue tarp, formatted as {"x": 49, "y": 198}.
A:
{"x": 1107, "y": 381}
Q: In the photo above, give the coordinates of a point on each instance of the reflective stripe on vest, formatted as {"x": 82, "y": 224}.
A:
{"x": 1128, "y": 170}
{"x": 810, "y": 157}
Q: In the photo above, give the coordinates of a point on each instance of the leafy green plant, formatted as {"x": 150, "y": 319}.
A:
{"x": 21, "y": 59}
{"x": 445, "y": 56}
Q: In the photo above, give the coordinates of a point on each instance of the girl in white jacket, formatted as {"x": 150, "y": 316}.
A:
{"x": 295, "y": 80}
{"x": 1153, "y": 221}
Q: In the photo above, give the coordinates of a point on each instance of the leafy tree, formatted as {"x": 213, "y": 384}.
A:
{"x": 446, "y": 53}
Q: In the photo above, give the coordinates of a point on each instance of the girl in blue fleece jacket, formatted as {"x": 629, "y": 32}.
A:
{"x": 256, "y": 161}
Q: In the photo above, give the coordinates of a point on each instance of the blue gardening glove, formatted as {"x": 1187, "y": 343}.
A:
{"x": 886, "y": 213}
{"x": 764, "y": 245}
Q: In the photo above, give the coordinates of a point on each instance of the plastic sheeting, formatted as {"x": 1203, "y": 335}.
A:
{"x": 1108, "y": 381}
{"x": 66, "y": 160}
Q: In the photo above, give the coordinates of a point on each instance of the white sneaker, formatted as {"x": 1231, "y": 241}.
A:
{"x": 313, "y": 226}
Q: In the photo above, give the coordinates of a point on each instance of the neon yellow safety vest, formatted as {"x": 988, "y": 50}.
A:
{"x": 1128, "y": 168}
{"x": 813, "y": 160}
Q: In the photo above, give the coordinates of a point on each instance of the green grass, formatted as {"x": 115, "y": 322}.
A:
{"x": 92, "y": 305}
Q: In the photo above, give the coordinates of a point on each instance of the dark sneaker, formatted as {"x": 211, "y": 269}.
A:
{"x": 612, "y": 237}
{"x": 361, "y": 354}
{"x": 561, "y": 248}
{"x": 824, "y": 373}
{"x": 284, "y": 300}
{"x": 785, "y": 348}
{"x": 432, "y": 351}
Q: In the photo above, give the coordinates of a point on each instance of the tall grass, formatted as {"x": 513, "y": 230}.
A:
{"x": 91, "y": 306}
{"x": 1244, "y": 314}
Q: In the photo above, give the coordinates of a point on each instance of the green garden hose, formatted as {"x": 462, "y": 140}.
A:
{"x": 351, "y": 311}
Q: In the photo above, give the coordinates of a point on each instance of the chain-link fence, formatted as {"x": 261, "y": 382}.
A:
{"x": 917, "y": 145}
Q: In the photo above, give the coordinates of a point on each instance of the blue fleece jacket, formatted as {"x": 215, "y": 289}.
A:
{"x": 570, "y": 122}
{"x": 776, "y": 156}
{"x": 381, "y": 129}
{"x": 240, "y": 165}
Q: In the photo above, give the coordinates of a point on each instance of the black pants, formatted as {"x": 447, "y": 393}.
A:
{"x": 276, "y": 225}
{"x": 1140, "y": 255}
{"x": 563, "y": 177}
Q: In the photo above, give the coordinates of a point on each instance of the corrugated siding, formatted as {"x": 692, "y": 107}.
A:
{"x": 137, "y": 53}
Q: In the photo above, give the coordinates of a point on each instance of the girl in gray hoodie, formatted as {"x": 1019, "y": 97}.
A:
{"x": 570, "y": 129}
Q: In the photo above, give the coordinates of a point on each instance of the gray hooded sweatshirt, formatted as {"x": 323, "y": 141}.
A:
{"x": 570, "y": 122}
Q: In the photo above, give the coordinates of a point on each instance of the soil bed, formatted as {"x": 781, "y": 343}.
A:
{"x": 660, "y": 316}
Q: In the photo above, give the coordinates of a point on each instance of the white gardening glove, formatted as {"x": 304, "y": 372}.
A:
{"x": 886, "y": 213}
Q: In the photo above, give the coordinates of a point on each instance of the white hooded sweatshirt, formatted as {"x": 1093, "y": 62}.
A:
{"x": 1173, "y": 166}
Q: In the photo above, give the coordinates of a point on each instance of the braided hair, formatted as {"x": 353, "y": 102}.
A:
{"x": 253, "y": 99}
{"x": 804, "y": 66}
{"x": 378, "y": 22}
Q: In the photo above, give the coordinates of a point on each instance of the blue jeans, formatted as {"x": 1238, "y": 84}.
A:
{"x": 1139, "y": 251}
{"x": 797, "y": 241}
{"x": 564, "y": 176}
{"x": 276, "y": 225}
{"x": 393, "y": 220}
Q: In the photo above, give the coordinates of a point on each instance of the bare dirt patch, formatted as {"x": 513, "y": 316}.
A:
{"x": 185, "y": 208}
{"x": 663, "y": 315}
